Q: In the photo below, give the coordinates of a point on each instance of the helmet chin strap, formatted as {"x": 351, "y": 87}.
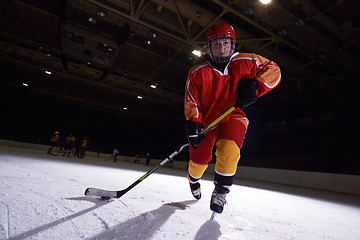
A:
{"x": 219, "y": 59}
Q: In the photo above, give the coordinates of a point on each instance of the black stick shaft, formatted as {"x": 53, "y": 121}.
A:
{"x": 122, "y": 192}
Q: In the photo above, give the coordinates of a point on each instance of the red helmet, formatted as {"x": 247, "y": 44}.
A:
{"x": 219, "y": 31}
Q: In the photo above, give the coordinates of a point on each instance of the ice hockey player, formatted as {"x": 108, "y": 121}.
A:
{"x": 137, "y": 160}
{"x": 223, "y": 78}
{"x": 53, "y": 142}
{"x": 115, "y": 154}
{"x": 69, "y": 144}
{"x": 83, "y": 147}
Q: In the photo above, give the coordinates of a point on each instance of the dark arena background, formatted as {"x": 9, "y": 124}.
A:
{"x": 115, "y": 72}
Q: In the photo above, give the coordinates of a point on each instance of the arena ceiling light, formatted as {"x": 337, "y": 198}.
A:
{"x": 196, "y": 53}
{"x": 265, "y": 1}
{"x": 101, "y": 13}
{"x": 93, "y": 20}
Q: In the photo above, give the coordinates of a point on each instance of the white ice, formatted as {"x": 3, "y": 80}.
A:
{"x": 42, "y": 197}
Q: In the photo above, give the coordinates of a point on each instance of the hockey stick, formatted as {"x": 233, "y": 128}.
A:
{"x": 105, "y": 194}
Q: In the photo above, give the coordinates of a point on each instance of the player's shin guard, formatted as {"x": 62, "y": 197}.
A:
{"x": 228, "y": 154}
{"x": 195, "y": 172}
{"x": 227, "y": 158}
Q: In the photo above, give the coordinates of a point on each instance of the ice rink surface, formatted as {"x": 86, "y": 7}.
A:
{"x": 42, "y": 197}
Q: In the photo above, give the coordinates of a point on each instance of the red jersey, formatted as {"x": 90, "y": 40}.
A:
{"x": 209, "y": 92}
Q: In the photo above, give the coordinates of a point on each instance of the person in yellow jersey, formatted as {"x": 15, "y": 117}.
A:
{"x": 69, "y": 144}
{"x": 84, "y": 145}
{"x": 53, "y": 142}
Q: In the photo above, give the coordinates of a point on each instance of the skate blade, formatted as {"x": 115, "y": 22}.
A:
{"x": 213, "y": 215}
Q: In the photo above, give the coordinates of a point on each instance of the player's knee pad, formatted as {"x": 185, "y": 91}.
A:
{"x": 227, "y": 157}
{"x": 195, "y": 171}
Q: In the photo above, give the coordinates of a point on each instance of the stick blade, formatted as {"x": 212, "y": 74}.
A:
{"x": 104, "y": 194}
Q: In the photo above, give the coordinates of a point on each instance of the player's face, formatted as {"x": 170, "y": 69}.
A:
{"x": 221, "y": 47}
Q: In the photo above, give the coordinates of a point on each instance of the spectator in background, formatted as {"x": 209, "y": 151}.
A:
{"x": 99, "y": 151}
{"x": 53, "y": 142}
{"x": 69, "y": 144}
{"x": 76, "y": 148}
{"x": 148, "y": 157}
{"x": 137, "y": 160}
{"x": 84, "y": 145}
{"x": 115, "y": 153}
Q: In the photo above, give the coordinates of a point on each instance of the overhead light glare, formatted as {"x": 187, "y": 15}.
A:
{"x": 265, "y": 1}
{"x": 25, "y": 84}
{"x": 101, "y": 13}
{"x": 299, "y": 23}
{"x": 93, "y": 20}
{"x": 124, "y": 108}
{"x": 48, "y": 72}
{"x": 282, "y": 32}
{"x": 196, "y": 53}
{"x": 148, "y": 42}
{"x": 153, "y": 86}
{"x": 139, "y": 97}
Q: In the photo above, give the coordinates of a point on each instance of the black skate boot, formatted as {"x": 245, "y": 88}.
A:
{"x": 218, "y": 198}
{"x": 196, "y": 190}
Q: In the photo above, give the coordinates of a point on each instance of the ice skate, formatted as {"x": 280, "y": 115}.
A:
{"x": 196, "y": 190}
{"x": 218, "y": 198}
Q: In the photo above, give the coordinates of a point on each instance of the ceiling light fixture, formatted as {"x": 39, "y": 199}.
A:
{"x": 125, "y": 108}
{"x": 265, "y": 1}
{"x": 25, "y": 84}
{"x": 93, "y": 20}
{"x": 101, "y": 13}
{"x": 47, "y": 72}
{"x": 139, "y": 97}
{"x": 153, "y": 86}
{"x": 282, "y": 32}
{"x": 196, "y": 53}
{"x": 299, "y": 23}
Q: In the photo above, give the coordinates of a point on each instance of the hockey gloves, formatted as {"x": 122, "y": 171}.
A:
{"x": 246, "y": 92}
{"x": 192, "y": 133}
